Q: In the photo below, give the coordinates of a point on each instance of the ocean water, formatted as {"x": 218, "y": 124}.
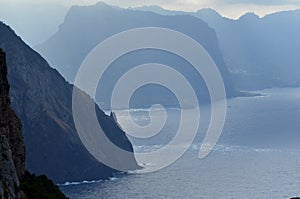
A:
{"x": 257, "y": 155}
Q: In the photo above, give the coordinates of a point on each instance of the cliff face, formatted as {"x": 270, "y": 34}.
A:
{"x": 261, "y": 52}
{"x": 8, "y": 175}
{"x": 69, "y": 46}
{"x": 43, "y": 100}
{"x": 12, "y": 149}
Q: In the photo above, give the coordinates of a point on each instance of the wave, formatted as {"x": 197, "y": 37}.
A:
{"x": 87, "y": 181}
{"x": 116, "y": 176}
{"x": 146, "y": 148}
{"x": 136, "y": 110}
{"x": 252, "y": 149}
{"x": 113, "y": 178}
{"x": 196, "y": 147}
{"x": 193, "y": 147}
{"x": 82, "y": 182}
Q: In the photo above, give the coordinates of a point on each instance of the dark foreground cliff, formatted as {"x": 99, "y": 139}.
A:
{"x": 15, "y": 181}
{"x": 12, "y": 157}
{"x": 43, "y": 100}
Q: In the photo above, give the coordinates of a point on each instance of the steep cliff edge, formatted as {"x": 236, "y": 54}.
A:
{"x": 15, "y": 181}
{"x": 12, "y": 149}
{"x": 43, "y": 100}
{"x": 76, "y": 38}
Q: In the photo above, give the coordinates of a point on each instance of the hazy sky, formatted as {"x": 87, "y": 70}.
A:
{"x": 229, "y": 8}
{"x": 36, "y": 20}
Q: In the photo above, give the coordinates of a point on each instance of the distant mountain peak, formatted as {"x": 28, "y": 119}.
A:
{"x": 157, "y": 9}
{"x": 100, "y": 4}
{"x": 149, "y": 7}
{"x": 209, "y": 12}
{"x": 105, "y": 5}
{"x": 249, "y": 16}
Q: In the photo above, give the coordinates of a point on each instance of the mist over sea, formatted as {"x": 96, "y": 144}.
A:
{"x": 257, "y": 156}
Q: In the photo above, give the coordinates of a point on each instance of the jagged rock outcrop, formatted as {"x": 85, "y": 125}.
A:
{"x": 12, "y": 149}
{"x": 43, "y": 100}
{"x": 10, "y": 124}
{"x": 8, "y": 175}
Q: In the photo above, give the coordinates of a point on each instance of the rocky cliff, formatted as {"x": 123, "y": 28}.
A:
{"x": 16, "y": 182}
{"x": 260, "y": 52}
{"x": 43, "y": 100}
{"x": 67, "y": 48}
{"x": 12, "y": 149}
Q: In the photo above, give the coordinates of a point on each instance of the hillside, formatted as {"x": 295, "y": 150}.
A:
{"x": 43, "y": 100}
{"x": 86, "y": 26}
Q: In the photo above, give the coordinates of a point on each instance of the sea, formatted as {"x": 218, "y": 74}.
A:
{"x": 257, "y": 155}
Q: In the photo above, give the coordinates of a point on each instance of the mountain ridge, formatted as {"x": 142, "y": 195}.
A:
{"x": 43, "y": 100}
{"x": 63, "y": 52}
{"x": 254, "y": 48}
